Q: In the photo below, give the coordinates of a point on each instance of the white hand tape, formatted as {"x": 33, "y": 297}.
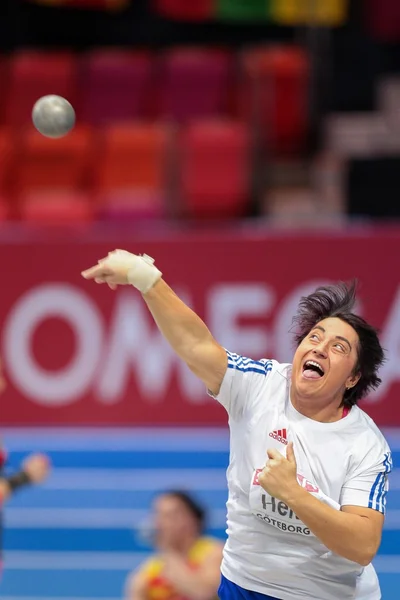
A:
{"x": 143, "y": 274}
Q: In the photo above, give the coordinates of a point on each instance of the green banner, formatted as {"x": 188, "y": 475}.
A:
{"x": 243, "y": 10}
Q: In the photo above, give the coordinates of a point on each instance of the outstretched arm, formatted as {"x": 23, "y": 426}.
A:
{"x": 183, "y": 329}
{"x": 188, "y": 335}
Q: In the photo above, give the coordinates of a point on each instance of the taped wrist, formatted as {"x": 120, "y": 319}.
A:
{"x": 18, "y": 480}
{"x": 143, "y": 274}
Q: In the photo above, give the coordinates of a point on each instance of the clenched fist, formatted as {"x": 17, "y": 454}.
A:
{"x": 279, "y": 476}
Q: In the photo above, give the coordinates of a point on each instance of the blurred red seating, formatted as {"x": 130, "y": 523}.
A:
{"x": 56, "y": 208}
{"x": 33, "y": 74}
{"x": 8, "y": 154}
{"x": 274, "y": 97}
{"x": 131, "y": 170}
{"x": 125, "y": 207}
{"x": 8, "y": 148}
{"x": 109, "y": 5}
{"x": 186, "y": 10}
{"x": 215, "y": 169}
{"x": 383, "y": 19}
{"x": 52, "y": 165}
{"x": 116, "y": 85}
{"x": 195, "y": 83}
{"x": 4, "y": 85}
{"x": 5, "y": 212}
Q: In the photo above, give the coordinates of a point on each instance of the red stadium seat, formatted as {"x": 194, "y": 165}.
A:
{"x": 195, "y": 83}
{"x": 56, "y": 209}
{"x": 8, "y": 158}
{"x": 33, "y": 74}
{"x": 49, "y": 165}
{"x": 5, "y": 212}
{"x": 4, "y": 85}
{"x": 215, "y": 169}
{"x": 8, "y": 146}
{"x": 116, "y": 85}
{"x": 383, "y": 19}
{"x": 131, "y": 170}
{"x": 124, "y": 207}
{"x": 108, "y": 5}
{"x": 185, "y": 10}
{"x": 274, "y": 97}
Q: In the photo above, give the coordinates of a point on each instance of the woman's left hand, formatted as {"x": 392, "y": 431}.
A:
{"x": 279, "y": 476}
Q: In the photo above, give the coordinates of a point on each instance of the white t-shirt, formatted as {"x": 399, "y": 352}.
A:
{"x": 269, "y": 550}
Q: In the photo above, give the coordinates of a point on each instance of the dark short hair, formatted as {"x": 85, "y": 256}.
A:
{"x": 338, "y": 301}
{"x": 190, "y": 503}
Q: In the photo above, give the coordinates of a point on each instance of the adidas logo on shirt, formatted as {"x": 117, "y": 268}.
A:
{"x": 280, "y": 435}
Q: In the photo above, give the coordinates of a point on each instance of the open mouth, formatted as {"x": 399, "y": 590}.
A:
{"x": 313, "y": 370}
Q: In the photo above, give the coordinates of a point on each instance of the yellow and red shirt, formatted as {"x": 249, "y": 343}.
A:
{"x": 158, "y": 588}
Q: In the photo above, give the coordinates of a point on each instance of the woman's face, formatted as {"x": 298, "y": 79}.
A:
{"x": 332, "y": 347}
{"x": 173, "y": 521}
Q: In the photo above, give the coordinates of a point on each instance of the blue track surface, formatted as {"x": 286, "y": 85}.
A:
{"x": 77, "y": 537}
